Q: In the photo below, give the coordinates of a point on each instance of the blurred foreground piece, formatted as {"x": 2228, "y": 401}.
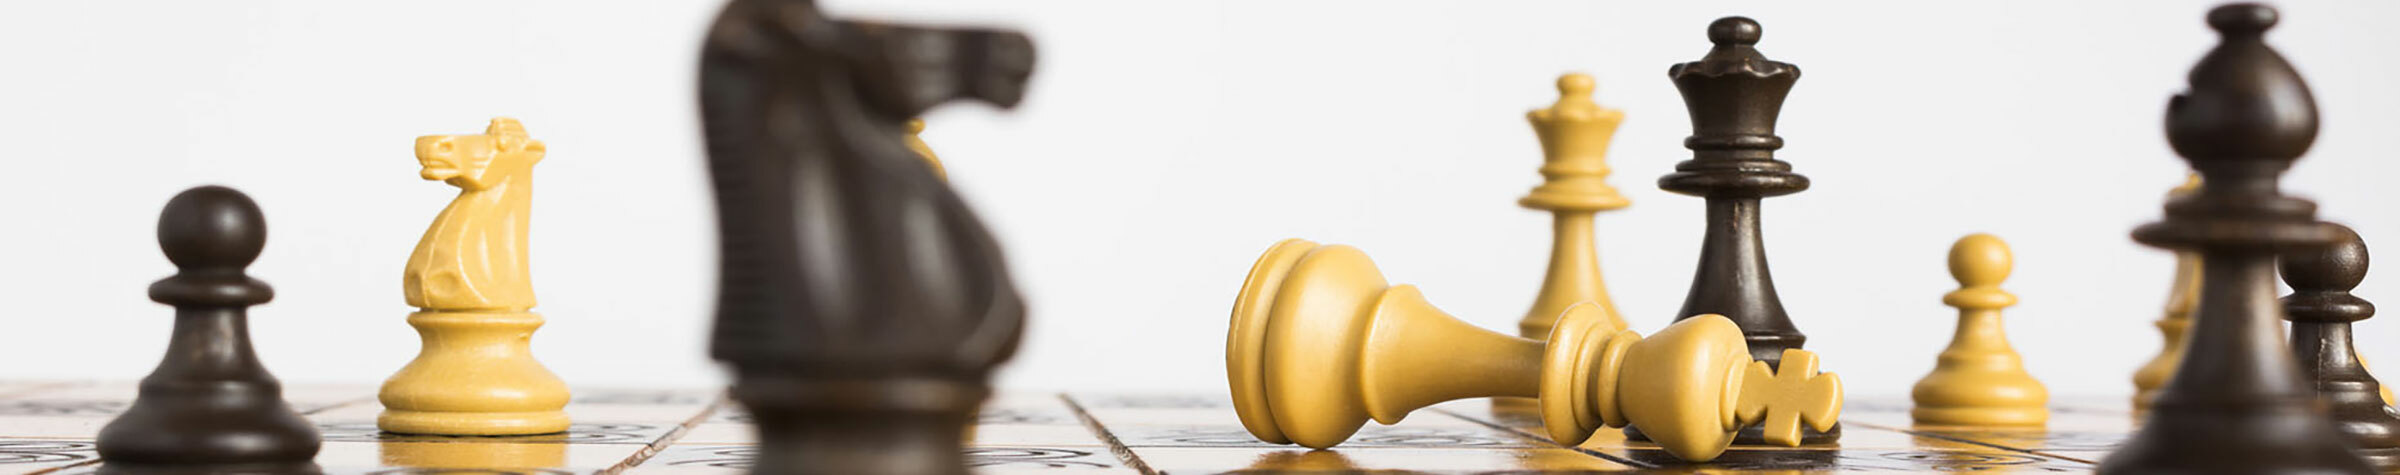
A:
{"x": 1575, "y": 134}
{"x": 210, "y": 407}
{"x": 2238, "y": 403}
{"x": 2177, "y": 320}
{"x": 2321, "y": 309}
{"x": 861, "y": 306}
{"x": 1979, "y": 380}
{"x": 1320, "y": 343}
{"x": 473, "y": 291}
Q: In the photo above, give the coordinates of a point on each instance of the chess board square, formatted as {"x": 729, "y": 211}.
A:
{"x": 685, "y": 458}
{"x": 643, "y": 397}
{"x": 1431, "y": 437}
{"x": 1026, "y": 408}
{"x": 578, "y": 433}
{"x": 75, "y": 427}
{"x": 1151, "y": 401}
{"x": 62, "y": 408}
{"x": 1857, "y": 461}
{"x": 1346, "y": 459}
{"x": 1033, "y": 435}
{"x": 1225, "y": 417}
{"x": 718, "y": 433}
{"x": 578, "y": 458}
{"x": 37, "y": 455}
{"x": 677, "y": 414}
{"x": 2034, "y": 439}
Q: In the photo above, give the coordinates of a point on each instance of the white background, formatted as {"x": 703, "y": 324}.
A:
{"x": 1163, "y": 145}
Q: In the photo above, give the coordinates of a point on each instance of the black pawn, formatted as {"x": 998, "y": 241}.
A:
{"x": 2321, "y": 309}
{"x": 1734, "y": 95}
{"x": 210, "y": 407}
{"x": 2239, "y": 403}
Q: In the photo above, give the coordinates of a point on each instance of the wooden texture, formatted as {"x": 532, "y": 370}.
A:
{"x": 1575, "y": 133}
{"x": 47, "y": 428}
{"x": 2321, "y": 309}
{"x": 2238, "y": 403}
{"x": 1320, "y": 344}
{"x": 1979, "y": 380}
{"x": 210, "y": 406}
{"x": 862, "y": 306}
{"x": 1734, "y": 96}
{"x": 469, "y": 279}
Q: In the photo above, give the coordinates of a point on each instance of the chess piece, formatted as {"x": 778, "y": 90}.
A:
{"x": 1574, "y": 133}
{"x": 2238, "y": 403}
{"x": 2386, "y": 390}
{"x": 2153, "y": 375}
{"x": 2321, "y": 310}
{"x": 210, "y": 406}
{"x": 1320, "y": 343}
{"x": 861, "y": 304}
{"x": 1980, "y": 381}
{"x": 1734, "y": 95}
{"x": 468, "y": 280}
{"x": 917, "y": 144}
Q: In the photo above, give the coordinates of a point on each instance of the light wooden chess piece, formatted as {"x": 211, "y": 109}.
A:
{"x": 1575, "y": 134}
{"x": 469, "y": 280}
{"x": 2178, "y": 318}
{"x": 918, "y": 145}
{"x": 1980, "y": 380}
{"x": 1320, "y": 343}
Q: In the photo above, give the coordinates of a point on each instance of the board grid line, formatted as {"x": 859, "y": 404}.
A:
{"x": 1124, "y": 454}
{"x": 340, "y": 405}
{"x": 1933, "y": 435}
{"x": 649, "y": 451}
{"x": 1545, "y": 440}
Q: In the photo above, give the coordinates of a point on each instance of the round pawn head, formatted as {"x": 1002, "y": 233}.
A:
{"x": 1980, "y": 260}
{"x": 2321, "y": 279}
{"x": 1734, "y": 30}
{"x": 212, "y": 228}
{"x": 2242, "y": 18}
{"x": 2338, "y": 267}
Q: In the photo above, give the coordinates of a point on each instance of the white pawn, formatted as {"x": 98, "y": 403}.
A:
{"x": 1979, "y": 379}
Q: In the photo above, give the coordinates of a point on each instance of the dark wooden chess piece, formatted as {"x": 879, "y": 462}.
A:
{"x": 862, "y": 305}
{"x": 2238, "y": 404}
{"x": 2321, "y": 309}
{"x": 1734, "y": 95}
{"x": 210, "y": 407}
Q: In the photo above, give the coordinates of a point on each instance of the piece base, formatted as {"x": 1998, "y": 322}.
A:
{"x": 1754, "y": 435}
{"x": 2036, "y": 416}
{"x": 472, "y": 423}
{"x": 2265, "y": 435}
{"x": 2385, "y": 460}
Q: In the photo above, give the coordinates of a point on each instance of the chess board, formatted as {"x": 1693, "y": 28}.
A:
{"x": 48, "y": 428}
